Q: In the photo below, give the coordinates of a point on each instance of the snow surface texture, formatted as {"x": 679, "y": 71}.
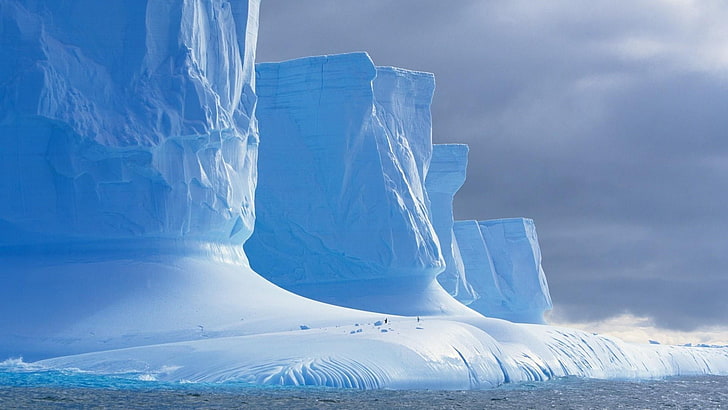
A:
{"x": 361, "y": 223}
{"x": 502, "y": 262}
{"x": 403, "y": 354}
{"x": 127, "y": 165}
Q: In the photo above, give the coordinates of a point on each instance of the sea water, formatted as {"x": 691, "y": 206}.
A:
{"x": 36, "y": 388}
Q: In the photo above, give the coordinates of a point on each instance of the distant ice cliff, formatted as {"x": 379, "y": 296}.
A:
{"x": 445, "y": 176}
{"x": 502, "y": 262}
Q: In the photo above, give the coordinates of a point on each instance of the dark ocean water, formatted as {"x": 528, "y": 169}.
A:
{"x": 53, "y": 389}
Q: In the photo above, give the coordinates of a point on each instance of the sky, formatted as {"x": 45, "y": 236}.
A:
{"x": 606, "y": 122}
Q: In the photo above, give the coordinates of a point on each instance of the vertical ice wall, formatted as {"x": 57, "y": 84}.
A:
{"x": 128, "y": 145}
{"x": 446, "y": 175}
{"x": 516, "y": 254}
{"x": 480, "y": 272}
{"x": 502, "y": 262}
{"x": 341, "y": 197}
{"x": 124, "y": 119}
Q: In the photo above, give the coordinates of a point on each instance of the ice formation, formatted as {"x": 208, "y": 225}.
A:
{"x": 128, "y": 138}
{"x": 128, "y": 143}
{"x": 127, "y": 120}
{"x": 360, "y": 232}
{"x": 445, "y": 176}
{"x": 502, "y": 262}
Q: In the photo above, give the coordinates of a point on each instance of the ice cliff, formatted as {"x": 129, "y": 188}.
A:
{"x": 445, "y": 176}
{"x": 128, "y": 147}
{"x": 502, "y": 262}
{"x": 359, "y": 225}
{"x": 127, "y": 120}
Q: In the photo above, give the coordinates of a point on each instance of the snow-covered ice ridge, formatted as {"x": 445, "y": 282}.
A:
{"x": 128, "y": 152}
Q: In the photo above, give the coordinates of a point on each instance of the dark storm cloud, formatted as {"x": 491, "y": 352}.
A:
{"x": 606, "y": 122}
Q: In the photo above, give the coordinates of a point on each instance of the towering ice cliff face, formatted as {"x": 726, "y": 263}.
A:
{"x": 341, "y": 198}
{"x": 446, "y": 175}
{"x": 492, "y": 266}
{"x": 128, "y": 145}
{"x": 479, "y": 270}
{"x": 123, "y": 120}
{"x": 502, "y": 262}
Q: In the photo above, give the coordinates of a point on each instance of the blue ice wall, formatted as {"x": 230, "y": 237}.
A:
{"x": 480, "y": 272}
{"x": 446, "y": 175}
{"x": 124, "y": 120}
{"x": 502, "y": 262}
{"x": 513, "y": 245}
{"x": 343, "y": 157}
{"x": 128, "y": 151}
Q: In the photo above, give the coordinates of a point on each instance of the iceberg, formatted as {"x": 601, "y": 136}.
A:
{"x": 445, "y": 176}
{"x": 139, "y": 125}
{"x": 493, "y": 267}
{"x": 516, "y": 254}
{"x": 360, "y": 234}
{"x": 502, "y": 262}
{"x": 129, "y": 142}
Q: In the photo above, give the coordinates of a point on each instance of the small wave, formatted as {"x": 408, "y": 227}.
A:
{"x": 17, "y": 364}
{"x": 147, "y": 377}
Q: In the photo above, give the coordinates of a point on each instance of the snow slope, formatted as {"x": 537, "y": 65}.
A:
{"x": 128, "y": 149}
{"x": 403, "y": 354}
